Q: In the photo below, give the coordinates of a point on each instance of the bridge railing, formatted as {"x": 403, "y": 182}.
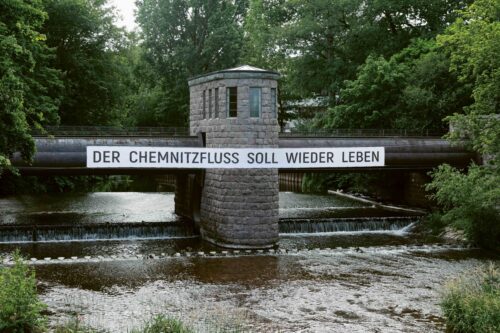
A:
{"x": 345, "y": 132}
{"x": 111, "y": 131}
{"x": 93, "y": 131}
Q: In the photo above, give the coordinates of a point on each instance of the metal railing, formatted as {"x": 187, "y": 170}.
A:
{"x": 344, "y": 132}
{"x": 111, "y": 131}
{"x": 93, "y": 131}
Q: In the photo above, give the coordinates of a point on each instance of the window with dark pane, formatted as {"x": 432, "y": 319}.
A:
{"x": 232, "y": 102}
{"x": 204, "y": 104}
{"x": 210, "y": 103}
{"x": 216, "y": 101}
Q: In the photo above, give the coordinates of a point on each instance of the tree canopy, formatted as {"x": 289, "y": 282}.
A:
{"x": 470, "y": 200}
{"x": 88, "y": 49}
{"x": 184, "y": 38}
{"x": 414, "y": 89}
{"x": 29, "y": 86}
{"x": 472, "y": 44}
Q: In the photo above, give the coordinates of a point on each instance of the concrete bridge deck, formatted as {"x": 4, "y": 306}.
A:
{"x": 67, "y": 155}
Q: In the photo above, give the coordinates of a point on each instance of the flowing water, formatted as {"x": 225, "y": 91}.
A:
{"x": 340, "y": 265}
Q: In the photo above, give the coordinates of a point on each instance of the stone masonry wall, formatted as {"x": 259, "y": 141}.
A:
{"x": 239, "y": 207}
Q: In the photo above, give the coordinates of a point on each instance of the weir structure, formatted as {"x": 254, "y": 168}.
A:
{"x": 234, "y": 108}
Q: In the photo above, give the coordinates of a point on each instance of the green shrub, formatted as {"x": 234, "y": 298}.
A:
{"x": 470, "y": 201}
{"x": 20, "y": 308}
{"x": 471, "y": 303}
{"x": 434, "y": 223}
{"x": 164, "y": 324}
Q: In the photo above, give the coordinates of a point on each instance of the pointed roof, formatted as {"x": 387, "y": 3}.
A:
{"x": 245, "y": 68}
{"x": 239, "y": 72}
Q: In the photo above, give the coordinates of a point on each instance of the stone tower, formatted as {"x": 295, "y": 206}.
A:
{"x": 237, "y": 108}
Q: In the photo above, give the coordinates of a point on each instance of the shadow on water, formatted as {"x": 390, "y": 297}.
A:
{"x": 246, "y": 271}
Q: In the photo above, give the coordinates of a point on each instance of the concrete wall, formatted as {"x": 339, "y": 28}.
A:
{"x": 239, "y": 207}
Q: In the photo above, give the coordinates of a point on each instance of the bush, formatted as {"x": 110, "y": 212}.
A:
{"x": 470, "y": 201}
{"x": 20, "y": 308}
{"x": 471, "y": 303}
{"x": 433, "y": 223}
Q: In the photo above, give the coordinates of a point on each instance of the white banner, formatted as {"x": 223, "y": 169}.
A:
{"x": 233, "y": 158}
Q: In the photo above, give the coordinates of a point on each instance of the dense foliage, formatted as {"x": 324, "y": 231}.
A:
{"x": 471, "y": 303}
{"x": 20, "y": 308}
{"x": 320, "y": 44}
{"x": 29, "y": 87}
{"x": 470, "y": 202}
{"x": 471, "y": 199}
{"x": 184, "y": 38}
{"x": 471, "y": 43}
{"x": 88, "y": 53}
{"x": 414, "y": 89}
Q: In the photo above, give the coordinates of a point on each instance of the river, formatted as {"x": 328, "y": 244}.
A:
{"x": 329, "y": 272}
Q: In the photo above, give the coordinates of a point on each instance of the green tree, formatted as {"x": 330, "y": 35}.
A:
{"x": 413, "y": 89}
{"x": 28, "y": 85}
{"x": 143, "y": 102}
{"x": 263, "y": 46}
{"x": 327, "y": 40}
{"x": 89, "y": 53}
{"x": 472, "y": 45}
{"x": 471, "y": 200}
{"x": 184, "y": 38}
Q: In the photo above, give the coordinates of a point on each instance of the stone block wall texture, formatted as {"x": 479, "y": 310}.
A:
{"x": 239, "y": 207}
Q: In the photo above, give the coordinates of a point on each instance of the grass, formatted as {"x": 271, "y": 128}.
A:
{"x": 164, "y": 324}
{"x": 75, "y": 325}
{"x": 471, "y": 303}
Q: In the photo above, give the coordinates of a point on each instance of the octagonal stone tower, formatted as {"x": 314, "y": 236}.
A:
{"x": 237, "y": 108}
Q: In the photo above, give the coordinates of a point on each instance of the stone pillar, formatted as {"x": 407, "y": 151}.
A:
{"x": 239, "y": 207}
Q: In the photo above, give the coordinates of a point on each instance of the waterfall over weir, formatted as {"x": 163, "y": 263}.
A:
{"x": 363, "y": 224}
{"x": 183, "y": 229}
{"x": 98, "y": 231}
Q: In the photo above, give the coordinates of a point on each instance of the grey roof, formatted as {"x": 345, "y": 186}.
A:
{"x": 239, "y": 72}
{"x": 245, "y": 68}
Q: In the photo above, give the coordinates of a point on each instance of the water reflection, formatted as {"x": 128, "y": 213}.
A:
{"x": 124, "y": 207}
{"x": 99, "y": 207}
